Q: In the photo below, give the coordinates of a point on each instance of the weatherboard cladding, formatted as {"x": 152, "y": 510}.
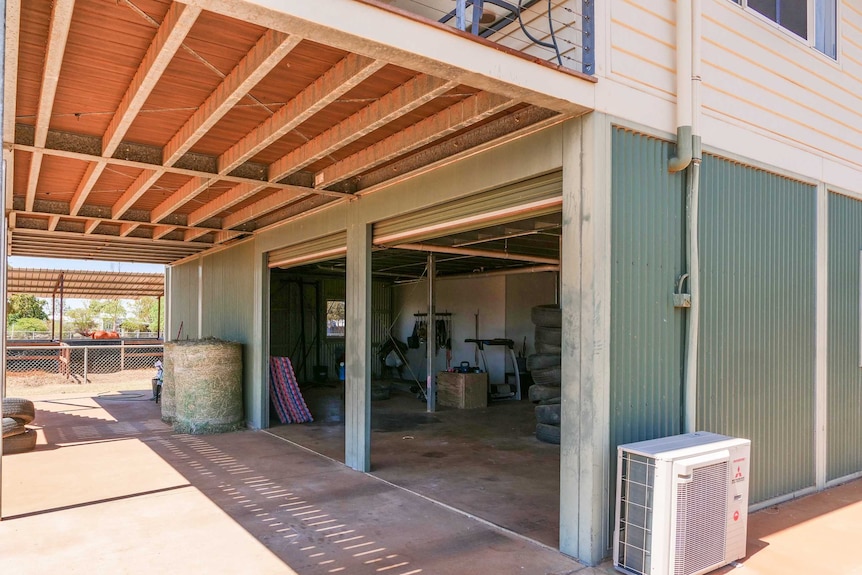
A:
{"x": 844, "y": 427}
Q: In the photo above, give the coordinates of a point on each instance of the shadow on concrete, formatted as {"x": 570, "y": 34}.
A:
{"x": 308, "y": 512}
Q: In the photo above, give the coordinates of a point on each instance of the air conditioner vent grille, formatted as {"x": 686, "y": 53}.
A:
{"x": 701, "y": 520}
{"x": 636, "y": 510}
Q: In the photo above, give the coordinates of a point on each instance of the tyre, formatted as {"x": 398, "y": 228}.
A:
{"x": 545, "y": 348}
{"x": 12, "y": 427}
{"x": 540, "y": 360}
{"x": 548, "y": 433}
{"x": 549, "y": 335}
{"x": 551, "y": 401}
{"x": 547, "y": 376}
{"x": 549, "y": 414}
{"x": 539, "y": 393}
{"x": 19, "y": 443}
{"x": 546, "y": 315}
{"x": 379, "y": 392}
{"x": 20, "y": 409}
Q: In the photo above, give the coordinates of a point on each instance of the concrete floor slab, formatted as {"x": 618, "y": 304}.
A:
{"x": 110, "y": 488}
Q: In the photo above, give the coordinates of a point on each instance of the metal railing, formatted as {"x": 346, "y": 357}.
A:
{"x": 80, "y": 360}
{"x": 28, "y": 335}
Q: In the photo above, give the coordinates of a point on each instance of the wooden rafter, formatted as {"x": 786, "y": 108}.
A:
{"x": 128, "y": 227}
{"x": 10, "y": 70}
{"x": 173, "y": 30}
{"x": 161, "y": 231}
{"x": 454, "y": 118}
{"x": 61, "y": 20}
{"x": 141, "y": 184}
{"x": 186, "y": 193}
{"x": 80, "y": 218}
{"x": 196, "y": 233}
{"x": 268, "y": 204}
{"x": 341, "y": 78}
{"x": 261, "y": 59}
{"x": 52, "y": 223}
{"x": 91, "y": 226}
{"x": 82, "y": 192}
{"x": 230, "y": 198}
{"x": 400, "y": 101}
{"x": 225, "y": 235}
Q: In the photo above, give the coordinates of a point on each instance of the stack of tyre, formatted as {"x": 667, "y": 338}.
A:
{"x": 544, "y": 368}
{"x": 17, "y": 414}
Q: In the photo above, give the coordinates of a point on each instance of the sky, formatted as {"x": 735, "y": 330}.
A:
{"x": 82, "y": 265}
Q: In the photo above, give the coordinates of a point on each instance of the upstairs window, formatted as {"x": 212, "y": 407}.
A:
{"x": 812, "y": 20}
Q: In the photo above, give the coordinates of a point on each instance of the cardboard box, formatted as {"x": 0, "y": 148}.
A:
{"x": 462, "y": 390}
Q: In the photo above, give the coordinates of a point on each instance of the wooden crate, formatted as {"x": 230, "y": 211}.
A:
{"x": 462, "y": 390}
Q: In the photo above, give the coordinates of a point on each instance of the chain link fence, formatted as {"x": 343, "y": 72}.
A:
{"x": 72, "y": 360}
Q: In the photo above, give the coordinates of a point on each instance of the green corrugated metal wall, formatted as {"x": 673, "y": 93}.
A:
{"x": 184, "y": 300}
{"x": 845, "y": 376}
{"x": 756, "y": 367}
{"x": 757, "y": 349}
{"x": 647, "y": 226}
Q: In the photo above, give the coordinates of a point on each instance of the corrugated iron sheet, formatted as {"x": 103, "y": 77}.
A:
{"x": 756, "y": 376}
{"x": 845, "y": 376}
{"x": 184, "y": 301}
{"x": 647, "y": 220}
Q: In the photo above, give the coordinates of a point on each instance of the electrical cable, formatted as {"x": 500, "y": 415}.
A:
{"x": 535, "y": 40}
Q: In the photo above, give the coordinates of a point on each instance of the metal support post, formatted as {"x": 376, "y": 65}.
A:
{"x": 431, "y": 337}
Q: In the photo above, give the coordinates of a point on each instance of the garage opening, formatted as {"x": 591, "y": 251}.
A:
{"x": 477, "y": 452}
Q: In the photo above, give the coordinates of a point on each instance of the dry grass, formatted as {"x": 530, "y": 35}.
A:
{"x": 38, "y": 383}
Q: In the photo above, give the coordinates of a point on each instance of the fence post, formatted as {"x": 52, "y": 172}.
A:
{"x": 122, "y": 355}
{"x": 86, "y": 349}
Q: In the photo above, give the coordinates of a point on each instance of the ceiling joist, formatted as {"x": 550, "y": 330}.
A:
{"x": 344, "y": 76}
{"x": 263, "y": 57}
{"x": 172, "y": 32}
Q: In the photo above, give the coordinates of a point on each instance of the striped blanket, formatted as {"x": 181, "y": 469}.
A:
{"x": 285, "y": 394}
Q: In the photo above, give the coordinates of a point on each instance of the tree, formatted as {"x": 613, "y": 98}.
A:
{"x": 83, "y": 319}
{"x": 23, "y": 305}
{"x": 145, "y": 313}
{"x": 30, "y": 324}
{"x": 111, "y": 309}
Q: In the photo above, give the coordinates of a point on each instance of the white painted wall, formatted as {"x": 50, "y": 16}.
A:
{"x": 767, "y": 95}
{"x": 523, "y": 291}
{"x": 503, "y": 305}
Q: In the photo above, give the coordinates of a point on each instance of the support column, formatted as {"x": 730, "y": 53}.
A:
{"x": 585, "y": 301}
{"x": 431, "y": 337}
{"x": 200, "y": 297}
{"x": 821, "y": 357}
{"x": 257, "y": 396}
{"x": 357, "y": 343}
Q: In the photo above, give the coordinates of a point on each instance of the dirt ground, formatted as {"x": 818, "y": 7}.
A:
{"x": 38, "y": 383}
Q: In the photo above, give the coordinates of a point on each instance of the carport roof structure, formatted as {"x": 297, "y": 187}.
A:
{"x": 85, "y": 284}
{"x": 151, "y": 131}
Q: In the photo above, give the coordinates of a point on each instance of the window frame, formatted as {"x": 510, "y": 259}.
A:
{"x": 812, "y": 40}
{"x": 341, "y": 333}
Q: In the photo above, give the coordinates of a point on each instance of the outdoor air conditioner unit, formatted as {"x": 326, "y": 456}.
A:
{"x": 682, "y": 504}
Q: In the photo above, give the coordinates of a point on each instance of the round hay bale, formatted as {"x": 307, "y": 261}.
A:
{"x": 168, "y": 399}
{"x": 207, "y": 386}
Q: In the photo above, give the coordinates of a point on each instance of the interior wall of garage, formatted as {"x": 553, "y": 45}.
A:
{"x": 464, "y": 299}
{"x": 758, "y": 317}
{"x": 844, "y": 358}
{"x": 301, "y": 336}
{"x": 523, "y": 291}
